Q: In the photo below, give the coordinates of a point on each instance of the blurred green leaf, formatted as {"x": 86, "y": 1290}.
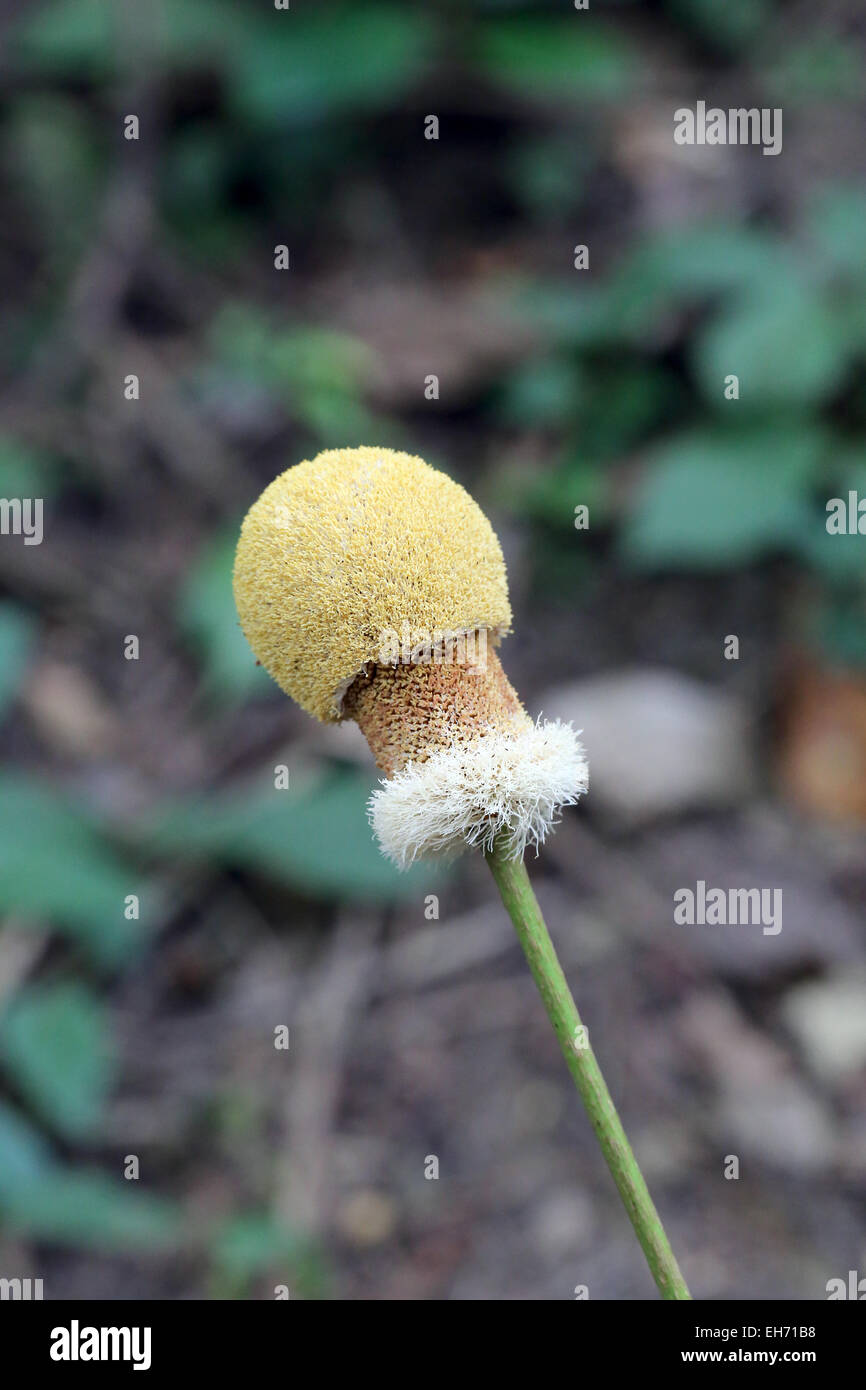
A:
{"x": 24, "y": 1154}
{"x": 198, "y": 169}
{"x": 552, "y": 497}
{"x": 321, "y": 62}
{"x": 822, "y": 67}
{"x": 549, "y": 172}
{"x": 715, "y": 499}
{"x": 57, "y": 867}
{"x": 838, "y": 626}
{"x": 88, "y": 1211}
{"x": 571, "y": 313}
{"x": 86, "y": 39}
{"x": 688, "y": 265}
{"x": 43, "y": 1200}
{"x": 625, "y": 401}
{"x": 52, "y": 154}
{"x": 54, "y": 1043}
{"x": 729, "y": 27}
{"x": 253, "y": 1244}
{"x": 662, "y": 274}
{"x": 320, "y": 374}
{"x": 17, "y": 638}
{"x": 837, "y": 229}
{"x": 705, "y": 259}
{"x": 542, "y": 394}
{"x": 248, "y": 1244}
{"x": 314, "y": 837}
{"x": 206, "y": 611}
{"x": 195, "y": 170}
{"x": 64, "y": 35}
{"x": 24, "y": 472}
{"x": 788, "y": 347}
{"x": 556, "y": 58}
{"x": 839, "y": 559}
{"x": 621, "y": 403}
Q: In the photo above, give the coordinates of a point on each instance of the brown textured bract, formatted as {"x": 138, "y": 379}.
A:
{"x": 409, "y": 712}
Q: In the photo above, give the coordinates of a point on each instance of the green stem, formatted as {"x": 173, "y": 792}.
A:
{"x": 522, "y": 906}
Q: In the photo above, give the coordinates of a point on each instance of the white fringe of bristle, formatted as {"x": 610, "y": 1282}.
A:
{"x": 512, "y": 785}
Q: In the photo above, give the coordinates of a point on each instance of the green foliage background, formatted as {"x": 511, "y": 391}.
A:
{"x": 262, "y": 125}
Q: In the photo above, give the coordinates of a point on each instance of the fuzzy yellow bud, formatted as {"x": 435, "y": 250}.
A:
{"x": 343, "y": 550}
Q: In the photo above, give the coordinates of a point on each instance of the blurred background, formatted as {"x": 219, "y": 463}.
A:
{"x": 165, "y": 908}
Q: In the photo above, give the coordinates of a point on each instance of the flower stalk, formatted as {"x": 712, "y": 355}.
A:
{"x": 520, "y": 901}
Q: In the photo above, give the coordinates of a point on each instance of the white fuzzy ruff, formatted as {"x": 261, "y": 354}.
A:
{"x": 513, "y": 784}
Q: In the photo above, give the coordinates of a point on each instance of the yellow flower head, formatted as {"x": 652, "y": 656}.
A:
{"x": 353, "y": 549}
{"x": 349, "y": 546}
